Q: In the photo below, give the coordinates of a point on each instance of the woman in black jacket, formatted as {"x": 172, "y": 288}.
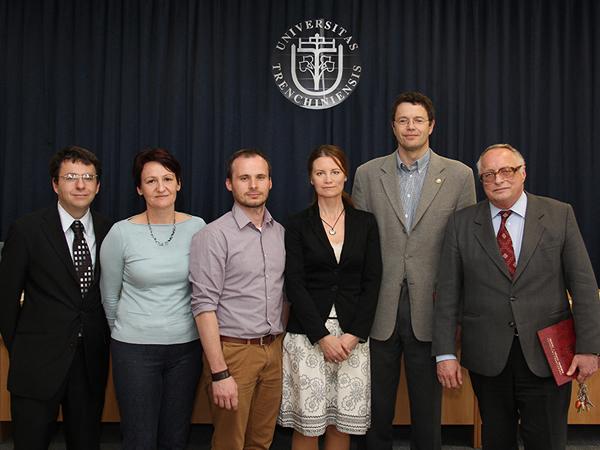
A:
{"x": 332, "y": 276}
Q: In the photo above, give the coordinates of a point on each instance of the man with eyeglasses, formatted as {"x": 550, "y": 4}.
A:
{"x": 412, "y": 192}
{"x": 508, "y": 263}
{"x": 57, "y": 336}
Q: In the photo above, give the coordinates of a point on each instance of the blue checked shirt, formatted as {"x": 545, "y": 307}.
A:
{"x": 411, "y": 180}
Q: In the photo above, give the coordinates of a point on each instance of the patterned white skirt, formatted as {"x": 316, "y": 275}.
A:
{"x": 317, "y": 393}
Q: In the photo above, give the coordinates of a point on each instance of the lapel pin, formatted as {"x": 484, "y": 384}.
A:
{"x": 438, "y": 180}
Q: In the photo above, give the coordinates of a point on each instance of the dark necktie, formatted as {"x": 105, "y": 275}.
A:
{"x": 505, "y": 244}
{"x": 82, "y": 258}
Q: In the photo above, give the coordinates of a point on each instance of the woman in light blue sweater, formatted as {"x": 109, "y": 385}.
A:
{"x": 156, "y": 353}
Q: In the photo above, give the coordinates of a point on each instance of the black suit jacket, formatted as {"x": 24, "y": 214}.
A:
{"x": 41, "y": 335}
{"x": 315, "y": 281}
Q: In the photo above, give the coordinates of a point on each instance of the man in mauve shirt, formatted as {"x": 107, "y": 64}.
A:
{"x": 236, "y": 271}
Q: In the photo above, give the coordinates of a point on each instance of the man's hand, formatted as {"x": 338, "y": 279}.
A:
{"x": 587, "y": 365}
{"x": 332, "y": 349}
{"x": 225, "y": 393}
{"x": 449, "y": 374}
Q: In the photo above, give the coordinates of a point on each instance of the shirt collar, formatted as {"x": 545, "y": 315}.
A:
{"x": 420, "y": 165}
{"x": 66, "y": 220}
{"x": 519, "y": 207}
{"x": 242, "y": 219}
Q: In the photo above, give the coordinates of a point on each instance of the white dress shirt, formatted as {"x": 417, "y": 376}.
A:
{"x": 66, "y": 220}
{"x": 515, "y": 223}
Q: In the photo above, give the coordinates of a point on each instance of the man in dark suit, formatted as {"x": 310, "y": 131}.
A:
{"x": 411, "y": 192}
{"x": 57, "y": 337}
{"x": 506, "y": 267}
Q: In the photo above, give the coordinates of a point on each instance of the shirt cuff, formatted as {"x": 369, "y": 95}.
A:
{"x": 440, "y": 358}
{"x": 199, "y": 308}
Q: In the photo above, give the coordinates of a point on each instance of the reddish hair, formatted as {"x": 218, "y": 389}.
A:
{"x": 159, "y": 155}
{"x": 337, "y": 154}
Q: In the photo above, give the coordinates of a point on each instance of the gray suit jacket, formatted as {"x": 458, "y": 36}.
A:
{"x": 448, "y": 186}
{"x": 474, "y": 282}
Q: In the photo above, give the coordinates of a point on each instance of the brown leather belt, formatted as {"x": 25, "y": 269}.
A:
{"x": 263, "y": 340}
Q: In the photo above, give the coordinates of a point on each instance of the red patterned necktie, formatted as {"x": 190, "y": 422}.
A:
{"x": 505, "y": 244}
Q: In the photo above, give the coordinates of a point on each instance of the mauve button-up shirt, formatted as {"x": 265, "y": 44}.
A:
{"x": 236, "y": 270}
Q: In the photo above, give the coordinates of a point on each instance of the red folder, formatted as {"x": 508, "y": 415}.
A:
{"x": 558, "y": 342}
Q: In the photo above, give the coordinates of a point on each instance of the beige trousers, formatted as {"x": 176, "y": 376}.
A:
{"x": 257, "y": 371}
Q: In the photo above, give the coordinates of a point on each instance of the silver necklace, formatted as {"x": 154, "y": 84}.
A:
{"x": 332, "y": 228}
{"x": 161, "y": 244}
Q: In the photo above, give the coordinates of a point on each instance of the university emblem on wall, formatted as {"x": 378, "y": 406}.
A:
{"x": 316, "y": 64}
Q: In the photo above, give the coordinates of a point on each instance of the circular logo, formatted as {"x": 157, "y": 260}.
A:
{"x": 316, "y": 64}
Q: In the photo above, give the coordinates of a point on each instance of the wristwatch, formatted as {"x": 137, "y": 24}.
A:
{"x": 218, "y": 376}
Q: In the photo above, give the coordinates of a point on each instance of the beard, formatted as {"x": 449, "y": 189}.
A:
{"x": 250, "y": 202}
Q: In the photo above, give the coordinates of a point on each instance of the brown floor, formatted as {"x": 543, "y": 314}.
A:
{"x": 582, "y": 437}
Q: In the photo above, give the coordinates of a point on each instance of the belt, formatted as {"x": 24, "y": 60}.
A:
{"x": 263, "y": 340}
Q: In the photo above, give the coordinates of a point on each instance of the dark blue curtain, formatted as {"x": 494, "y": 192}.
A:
{"x": 194, "y": 76}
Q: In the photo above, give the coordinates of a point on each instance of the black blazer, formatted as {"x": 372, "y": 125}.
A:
{"x": 41, "y": 336}
{"x": 315, "y": 281}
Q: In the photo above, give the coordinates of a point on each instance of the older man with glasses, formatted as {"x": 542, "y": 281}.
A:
{"x": 508, "y": 263}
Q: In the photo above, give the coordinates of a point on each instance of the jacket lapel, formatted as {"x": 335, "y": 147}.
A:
{"x": 100, "y": 231}
{"x": 391, "y": 186}
{"x": 434, "y": 179}
{"x": 532, "y": 233}
{"x": 319, "y": 231}
{"x": 350, "y": 233}
{"x": 56, "y": 237}
{"x": 484, "y": 233}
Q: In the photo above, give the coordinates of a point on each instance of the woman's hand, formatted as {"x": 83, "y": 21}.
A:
{"x": 348, "y": 341}
{"x": 332, "y": 349}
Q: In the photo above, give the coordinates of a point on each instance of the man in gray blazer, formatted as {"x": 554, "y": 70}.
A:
{"x": 506, "y": 267}
{"x": 412, "y": 192}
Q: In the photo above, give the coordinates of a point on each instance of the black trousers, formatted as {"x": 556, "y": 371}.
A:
{"x": 34, "y": 420}
{"x": 424, "y": 390}
{"x": 516, "y": 396}
{"x": 156, "y": 387}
